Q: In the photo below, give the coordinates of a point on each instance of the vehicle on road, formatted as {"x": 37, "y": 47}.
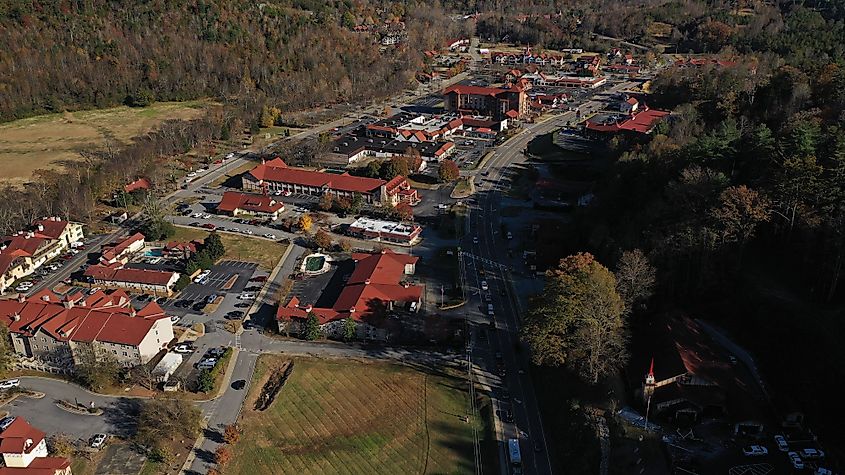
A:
{"x": 823, "y": 471}
{"x": 514, "y": 456}
{"x": 490, "y": 309}
{"x": 781, "y": 442}
{"x": 259, "y": 278}
{"x": 98, "y": 440}
{"x": 475, "y": 239}
{"x": 796, "y": 461}
{"x": 239, "y": 384}
{"x": 484, "y": 285}
{"x": 508, "y": 416}
{"x": 754, "y": 451}
{"x": 10, "y": 383}
{"x": 270, "y": 236}
{"x": 209, "y": 226}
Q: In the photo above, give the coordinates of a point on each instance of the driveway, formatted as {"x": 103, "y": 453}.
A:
{"x": 117, "y": 418}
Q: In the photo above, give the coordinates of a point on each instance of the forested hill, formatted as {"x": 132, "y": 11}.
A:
{"x": 65, "y": 55}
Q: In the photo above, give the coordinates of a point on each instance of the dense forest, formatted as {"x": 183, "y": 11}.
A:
{"x": 66, "y": 55}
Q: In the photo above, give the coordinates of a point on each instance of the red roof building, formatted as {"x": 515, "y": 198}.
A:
{"x": 234, "y": 204}
{"x": 375, "y": 287}
{"x": 276, "y": 176}
{"x": 121, "y": 251}
{"x": 153, "y": 282}
{"x": 25, "y": 251}
{"x": 24, "y": 450}
{"x": 642, "y": 122}
{"x": 139, "y": 184}
{"x": 50, "y": 330}
{"x": 488, "y": 101}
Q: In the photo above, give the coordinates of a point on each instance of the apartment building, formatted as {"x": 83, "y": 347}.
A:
{"x": 24, "y": 252}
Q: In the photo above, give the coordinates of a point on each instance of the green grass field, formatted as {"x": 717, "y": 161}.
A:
{"x": 349, "y": 417}
{"x": 240, "y": 248}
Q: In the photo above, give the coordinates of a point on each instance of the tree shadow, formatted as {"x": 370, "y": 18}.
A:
{"x": 122, "y": 416}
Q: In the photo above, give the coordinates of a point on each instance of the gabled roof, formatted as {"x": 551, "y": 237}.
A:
{"x": 135, "y": 276}
{"x": 277, "y": 171}
{"x": 232, "y": 200}
{"x": 376, "y": 280}
{"x": 114, "y": 251}
{"x": 139, "y": 184}
{"x": 14, "y": 439}
{"x": 102, "y": 317}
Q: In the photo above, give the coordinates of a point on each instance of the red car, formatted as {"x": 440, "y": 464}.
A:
{"x": 260, "y": 278}
{"x": 218, "y": 162}
{"x": 209, "y": 226}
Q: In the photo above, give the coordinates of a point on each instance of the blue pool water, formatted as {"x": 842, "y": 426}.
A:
{"x": 153, "y": 253}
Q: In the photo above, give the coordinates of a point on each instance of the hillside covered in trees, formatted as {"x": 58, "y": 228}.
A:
{"x": 67, "y": 55}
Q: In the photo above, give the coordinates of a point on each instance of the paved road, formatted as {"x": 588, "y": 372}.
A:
{"x": 508, "y": 306}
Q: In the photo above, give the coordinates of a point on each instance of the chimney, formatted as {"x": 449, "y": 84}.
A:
{"x": 16, "y": 317}
{"x": 68, "y": 303}
{"x": 351, "y": 310}
{"x": 263, "y": 161}
{"x": 132, "y": 312}
{"x": 40, "y": 227}
{"x": 367, "y": 282}
{"x": 308, "y": 308}
{"x": 27, "y": 444}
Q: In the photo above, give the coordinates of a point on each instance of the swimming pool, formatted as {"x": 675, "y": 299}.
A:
{"x": 153, "y": 253}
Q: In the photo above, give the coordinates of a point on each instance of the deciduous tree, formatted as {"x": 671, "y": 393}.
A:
{"x": 578, "y": 320}
{"x": 322, "y": 239}
{"x": 305, "y": 222}
{"x": 448, "y": 171}
{"x": 231, "y": 434}
{"x": 635, "y": 278}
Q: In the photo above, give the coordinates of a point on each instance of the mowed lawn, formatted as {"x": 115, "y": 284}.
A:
{"x": 264, "y": 252}
{"x": 45, "y": 141}
{"x": 350, "y": 417}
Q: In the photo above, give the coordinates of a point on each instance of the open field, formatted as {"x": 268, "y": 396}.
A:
{"x": 264, "y": 252}
{"x": 45, "y": 141}
{"x": 354, "y": 417}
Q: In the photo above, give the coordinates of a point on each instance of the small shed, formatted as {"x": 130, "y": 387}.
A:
{"x": 165, "y": 368}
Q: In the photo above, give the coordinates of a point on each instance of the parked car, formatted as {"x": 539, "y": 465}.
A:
{"x": 754, "y": 451}
{"x": 183, "y": 348}
{"x": 823, "y": 471}
{"x": 270, "y": 236}
{"x": 211, "y": 298}
{"x": 98, "y": 440}
{"x": 175, "y": 319}
{"x": 781, "y": 442}
{"x": 248, "y": 232}
{"x": 10, "y": 383}
{"x": 208, "y": 363}
{"x": 811, "y": 453}
{"x": 247, "y": 296}
{"x": 202, "y": 275}
{"x": 234, "y": 315}
{"x": 259, "y": 278}
{"x": 475, "y": 239}
{"x": 209, "y": 226}
{"x": 242, "y": 304}
{"x": 216, "y": 352}
{"x": 6, "y": 422}
{"x": 484, "y": 285}
{"x": 796, "y": 460}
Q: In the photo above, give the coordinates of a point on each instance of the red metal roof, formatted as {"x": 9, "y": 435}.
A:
{"x": 14, "y": 439}
{"x": 105, "y": 318}
{"x": 277, "y": 171}
{"x": 136, "y": 276}
{"x": 641, "y": 122}
{"x": 475, "y": 90}
{"x": 376, "y": 280}
{"x": 139, "y": 184}
{"x": 232, "y": 200}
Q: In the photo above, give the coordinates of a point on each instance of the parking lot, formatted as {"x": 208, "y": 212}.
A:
{"x": 188, "y": 304}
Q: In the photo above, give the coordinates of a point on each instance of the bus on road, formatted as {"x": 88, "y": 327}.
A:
{"x": 515, "y": 456}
